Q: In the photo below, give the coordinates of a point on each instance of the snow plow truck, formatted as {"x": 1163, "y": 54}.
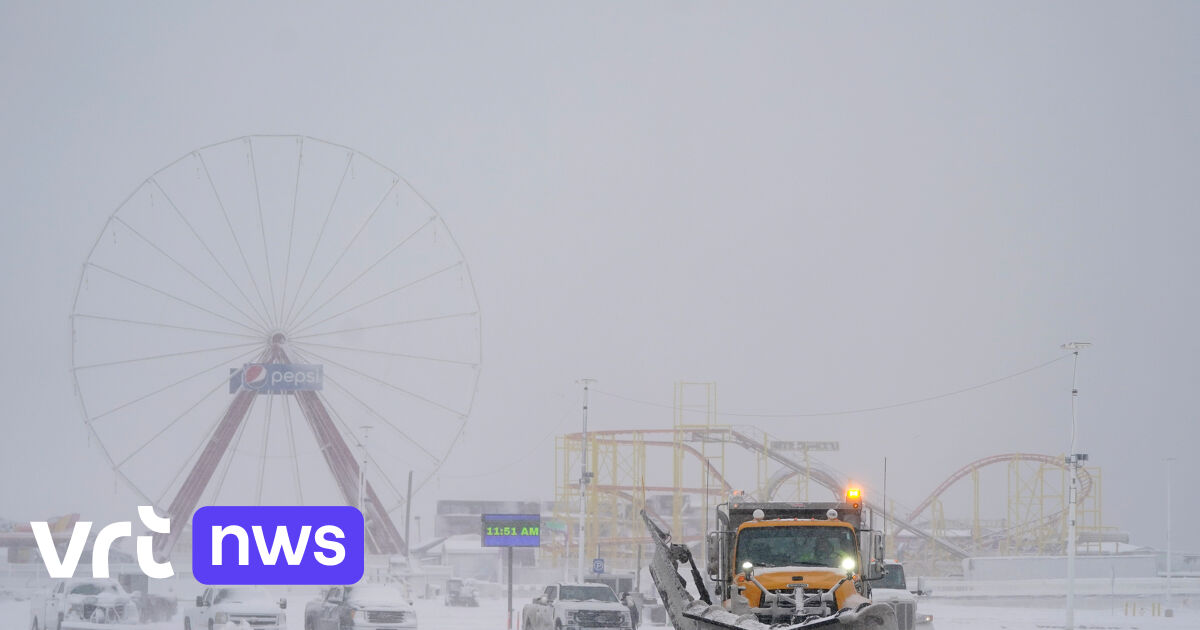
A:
{"x": 775, "y": 566}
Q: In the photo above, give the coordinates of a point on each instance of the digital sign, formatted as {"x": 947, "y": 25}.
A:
{"x": 512, "y": 530}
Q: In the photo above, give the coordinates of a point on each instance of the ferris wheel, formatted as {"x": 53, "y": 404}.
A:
{"x": 263, "y": 315}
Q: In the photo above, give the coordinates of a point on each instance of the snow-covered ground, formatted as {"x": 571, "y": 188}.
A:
{"x": 949, "y": 614}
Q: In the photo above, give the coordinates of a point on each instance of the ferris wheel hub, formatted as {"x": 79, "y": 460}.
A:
{"x": 278, "y": 339}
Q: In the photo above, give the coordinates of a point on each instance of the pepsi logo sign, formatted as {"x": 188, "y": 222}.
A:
{"x": 276, "y": 378}
{"x": 254, "y": 376}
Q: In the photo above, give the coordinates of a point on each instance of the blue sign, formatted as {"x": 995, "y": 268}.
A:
{"x": 276, "y": 378}
{"x": 278, "y": 545}
{"x": 598, "y": 565}
{"x": 512, "y": 530}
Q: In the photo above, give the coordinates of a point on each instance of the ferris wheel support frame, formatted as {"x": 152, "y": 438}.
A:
{"x": 382, "y": 537}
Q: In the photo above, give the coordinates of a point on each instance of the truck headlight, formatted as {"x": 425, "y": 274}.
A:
{"x": 572, "y": 616}
{"x": 221, "y": 617}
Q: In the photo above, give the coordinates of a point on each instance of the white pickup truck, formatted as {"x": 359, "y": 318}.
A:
{"x": 235, "y": 607}
{"x": 893, "y": 590}
{"x": 95, "y": 600}
{"x": 574, "y": 607}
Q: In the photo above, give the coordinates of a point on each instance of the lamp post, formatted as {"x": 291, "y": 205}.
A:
{"x": 1170, "y": 461}
{"x": 583, "y": 477}
{"x": 362, "y": 468}
{"x": 1073, "y": 460}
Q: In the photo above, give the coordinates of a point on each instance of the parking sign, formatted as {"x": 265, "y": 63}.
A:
{"x": 598, "y": 565}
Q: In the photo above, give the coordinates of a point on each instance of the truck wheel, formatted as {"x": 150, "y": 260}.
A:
{"x": 210, "y": 624}
{"x": 187, "y": 624}
{"x": 34, "y": 626}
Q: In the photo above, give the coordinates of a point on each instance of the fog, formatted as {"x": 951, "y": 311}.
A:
{"x": 821, "y": 208}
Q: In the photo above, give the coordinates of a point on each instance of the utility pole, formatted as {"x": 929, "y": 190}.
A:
{"x": 1073, "y": 460}
{"x": 584, "y": 477}
{"x": 407, "y": 520}
{"x": 362, "y": 483}
{"x": 1170, "y": 461}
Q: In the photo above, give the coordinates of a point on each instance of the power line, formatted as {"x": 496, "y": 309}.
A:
{"x": 845, "y": 412}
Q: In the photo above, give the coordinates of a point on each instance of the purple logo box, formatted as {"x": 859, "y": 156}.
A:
{"x": 277, "y": 545}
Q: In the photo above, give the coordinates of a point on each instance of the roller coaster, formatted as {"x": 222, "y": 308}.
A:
{"x": 626, "y": 481}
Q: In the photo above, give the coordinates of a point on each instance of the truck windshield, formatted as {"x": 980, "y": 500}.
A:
{"x": 93, "y": 588}
{"x": 784, "y": 546}
{"x": 586, "y": 593}
{"x": 240, "y": 595}
{"x": 893, "y": 577}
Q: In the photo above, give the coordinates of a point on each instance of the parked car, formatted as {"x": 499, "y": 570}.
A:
{"x": 576, "y": 605}
{"x": 374, "y": 606}
{"x": 96, "y": 600}
{"x": 236, "y": 607}
{"x": 459, "y": 593}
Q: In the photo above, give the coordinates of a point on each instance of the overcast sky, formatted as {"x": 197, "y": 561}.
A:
{"x": 818, "y": 206}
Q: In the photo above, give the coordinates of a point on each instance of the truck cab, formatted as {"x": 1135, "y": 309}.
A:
{"x": 789, "y": 562}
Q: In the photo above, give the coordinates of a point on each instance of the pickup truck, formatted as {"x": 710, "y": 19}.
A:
{"x": 576, "y": 606}
{"x": 235, "y": 607}
{"x": 373, "y": 606}
{"x": 892, "y": 589}
{"x": 95, "y": 600}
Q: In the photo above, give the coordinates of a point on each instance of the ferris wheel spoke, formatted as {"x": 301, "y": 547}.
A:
{"x": 346, "y": 249}
{"x": 203, "y": 243}
{"x": 172, "y": 423}
{"x": 262, "y": 228}
{"x": 160, "y": 390}
{"x": 189, "y": 272}
{"x": 387, "y": 384}
{"x": 236, "y": 241}
{"x": 165, "y": 356}
{"x": 355, "y": 280}
{"x": 462, "y": 426}
{"x": 378, "y": 297}
{"x": 169, "y": 295}
{"x": 401, "y": 322}
{"x": 348, "y": 431}
{"x": 400, "y": 355}
{"x": 291, "y": 433}
{"x": 320, "y": 233}
{"x": 346, "y": 428}
{"x": 262, "y": 456}
{"x": 123, "y": 320}
{"x": 287, "y": 262}
{"x": 231, "y": 452}
{"x": 381, "y": 417}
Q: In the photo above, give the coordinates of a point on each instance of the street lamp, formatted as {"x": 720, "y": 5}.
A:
{"x": 1170, "y": 461}
{"x": 1073, "y": 460}
{"x": 362, "y": 470}
{"x": 583, "y": 477}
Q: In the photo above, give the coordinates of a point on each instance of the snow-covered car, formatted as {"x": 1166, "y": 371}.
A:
{"x": 893, "y": 590}
{"x": 575, "y": 606}
{"x": 95, "y": 600}
{"x": 236, "y": 607}
{"x": 374, "y": 606}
